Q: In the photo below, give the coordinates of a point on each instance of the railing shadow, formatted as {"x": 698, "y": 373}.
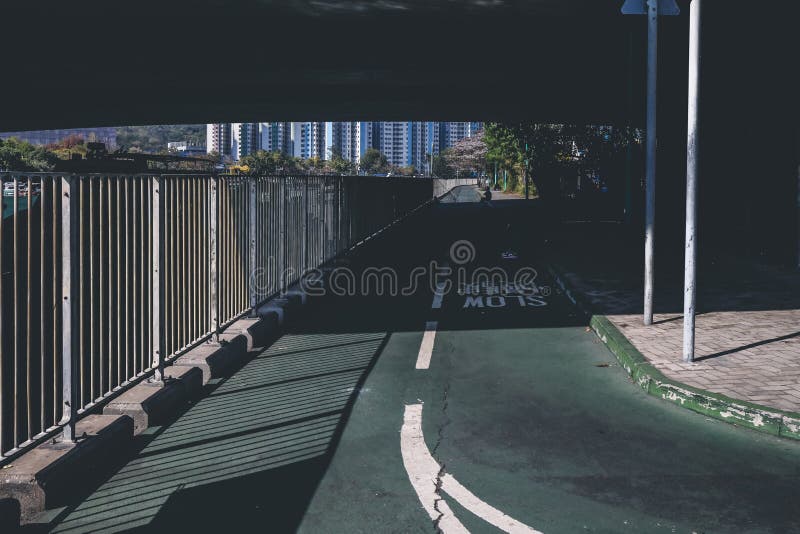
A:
{"x": 251, "y": 452}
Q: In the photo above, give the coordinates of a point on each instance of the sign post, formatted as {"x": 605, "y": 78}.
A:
{"x": 651, "y": 8}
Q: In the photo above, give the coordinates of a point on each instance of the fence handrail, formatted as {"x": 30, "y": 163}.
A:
{"x": 152, "y": 264}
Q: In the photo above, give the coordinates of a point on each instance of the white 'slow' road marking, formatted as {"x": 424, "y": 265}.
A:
{"x": 426, "y": 348}
{"x": 425, "y": 474}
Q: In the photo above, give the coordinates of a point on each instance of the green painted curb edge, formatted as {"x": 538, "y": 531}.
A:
{"x": 653, "y": 381}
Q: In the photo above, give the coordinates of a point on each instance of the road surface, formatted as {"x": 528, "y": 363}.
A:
{"x": 483, "y": 410}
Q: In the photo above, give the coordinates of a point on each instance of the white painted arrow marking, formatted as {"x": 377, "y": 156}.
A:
{"x": 428, "y": 479}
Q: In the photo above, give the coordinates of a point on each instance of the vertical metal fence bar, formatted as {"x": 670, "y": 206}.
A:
{"x": 157, "y": 290}
{"x": 184, "y": 270}
{"x": 213, "y": 278}
{"x": 42, "y": 305}
{"x": 70, "y": 306}
{"x": 15, "y": 302}
{"x": 304, "y": 220}
{"x": 251, "y": 274}
{"x": 119, "y": 185}
{"x": 111, "y": 303}
{"x": 282, "y": 236}
{"x": 93, "y": 337}
{"x": 82, "y": 353}
{"x": 2, "y": 323}
{"x": 135, "y": 289}
{"x": 28, "y": 308}
{"x": 56, "y": 286}
{"x": 128, "y": 334}
{"x": 168, "y": 233}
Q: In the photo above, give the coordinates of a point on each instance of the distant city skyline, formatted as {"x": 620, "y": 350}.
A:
{"x": 404, "y": 143}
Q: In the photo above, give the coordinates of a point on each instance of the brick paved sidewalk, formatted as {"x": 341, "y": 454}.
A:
{"x": 748, "y": 326}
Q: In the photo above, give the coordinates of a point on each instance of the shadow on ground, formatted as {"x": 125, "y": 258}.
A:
{"x": 254, "y": 449}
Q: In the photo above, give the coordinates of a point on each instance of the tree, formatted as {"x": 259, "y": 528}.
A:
{"x": 263, "y": 162}
{"x": 374, "y": 161}
{"x": 151, "y": 139}
{"x": 16, "y": 155}
{"x": 502, "y": 146}
{"x": 440, "y": 167}
{"x": 338, "y": 164}
{"x": 468, "y": 155}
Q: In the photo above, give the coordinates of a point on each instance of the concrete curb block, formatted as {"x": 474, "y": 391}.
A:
{"x": 275, "y": 307}
{"x": 213, "y": 359}
{"x": 151, "y": 404}
{"x": 41, "y": 477}
{"x": 256, "y": 330}
{"x": 653, "y": 381}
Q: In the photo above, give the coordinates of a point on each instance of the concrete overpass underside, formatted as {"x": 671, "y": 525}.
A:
{"x": 536, "y": 60}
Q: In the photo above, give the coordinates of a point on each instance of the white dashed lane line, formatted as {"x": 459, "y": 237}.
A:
{"x": 426, "y": 347}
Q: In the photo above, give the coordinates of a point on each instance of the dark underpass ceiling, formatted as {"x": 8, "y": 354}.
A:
{"x": 93, "y": 63}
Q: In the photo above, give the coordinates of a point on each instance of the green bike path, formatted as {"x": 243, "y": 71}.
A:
{"x": 520, "y": 404}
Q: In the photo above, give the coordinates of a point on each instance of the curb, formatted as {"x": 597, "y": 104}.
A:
{"x": 39, "y": 479}
{"x": 654, "y": 382}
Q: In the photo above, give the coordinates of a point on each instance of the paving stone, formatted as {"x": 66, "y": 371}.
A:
{"x": 754, "y": 342}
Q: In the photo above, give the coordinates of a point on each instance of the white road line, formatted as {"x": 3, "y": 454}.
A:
{"x": 438, "y": 295}
{"x": 426, "y": 348}
{"x": 424, "y": 472}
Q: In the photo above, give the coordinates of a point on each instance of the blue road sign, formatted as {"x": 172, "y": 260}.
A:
{"x": 639, "y": 7}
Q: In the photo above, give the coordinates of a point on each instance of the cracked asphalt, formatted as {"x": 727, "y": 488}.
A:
{"x": 521, "y": 404}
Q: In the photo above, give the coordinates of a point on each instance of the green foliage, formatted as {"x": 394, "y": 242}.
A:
{"x": 552, "y": 153}
{"x": 154, "y": 139}
{"x": 338, "y": 165}
{"x": 16, "y": 155}
{"x": 408, "y": 170}
{"x": 502, "y": 146}
{"x": 263, "y": 162}
{"x": 440, "y": 166}
{"x": 374, "y": 161}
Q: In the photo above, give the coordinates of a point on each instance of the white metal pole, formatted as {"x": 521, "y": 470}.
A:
{"x": 650, "y": 179}
{"x": 690, "y": 267}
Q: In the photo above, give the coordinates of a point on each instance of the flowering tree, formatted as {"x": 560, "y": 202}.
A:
{"x": 467, "y": 156}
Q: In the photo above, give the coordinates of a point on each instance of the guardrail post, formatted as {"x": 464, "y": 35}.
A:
{"x": 213, "y": 272}
{"x": 157, "y": 296}
{"x": 304, "y": 250}
{"x": 252, "y": 233}
{"x": 282, "y": 236}
{"x": 70, "y": 251}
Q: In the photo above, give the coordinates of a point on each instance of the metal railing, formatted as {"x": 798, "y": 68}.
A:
{"x": 107, "y": 278}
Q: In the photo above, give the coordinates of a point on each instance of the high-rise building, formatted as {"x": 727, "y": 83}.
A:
{"x": 443, "y": 135}
{"x": 218, "y": 139}
{"x": 418, "y": 146}
{"x": 244, "y": 139}
{"x": 309, "y": 140}
{"x": 395, "y": 143}
{"x": 317, "y": 141}
{"x": 299, "y": 141}
{"x": 345, "y": 140}
{"x": 369, "y": 137}
{"x": 276, "y": 137}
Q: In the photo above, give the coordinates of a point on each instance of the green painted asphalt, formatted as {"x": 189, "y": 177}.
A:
{"x": 522, "y": 405}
